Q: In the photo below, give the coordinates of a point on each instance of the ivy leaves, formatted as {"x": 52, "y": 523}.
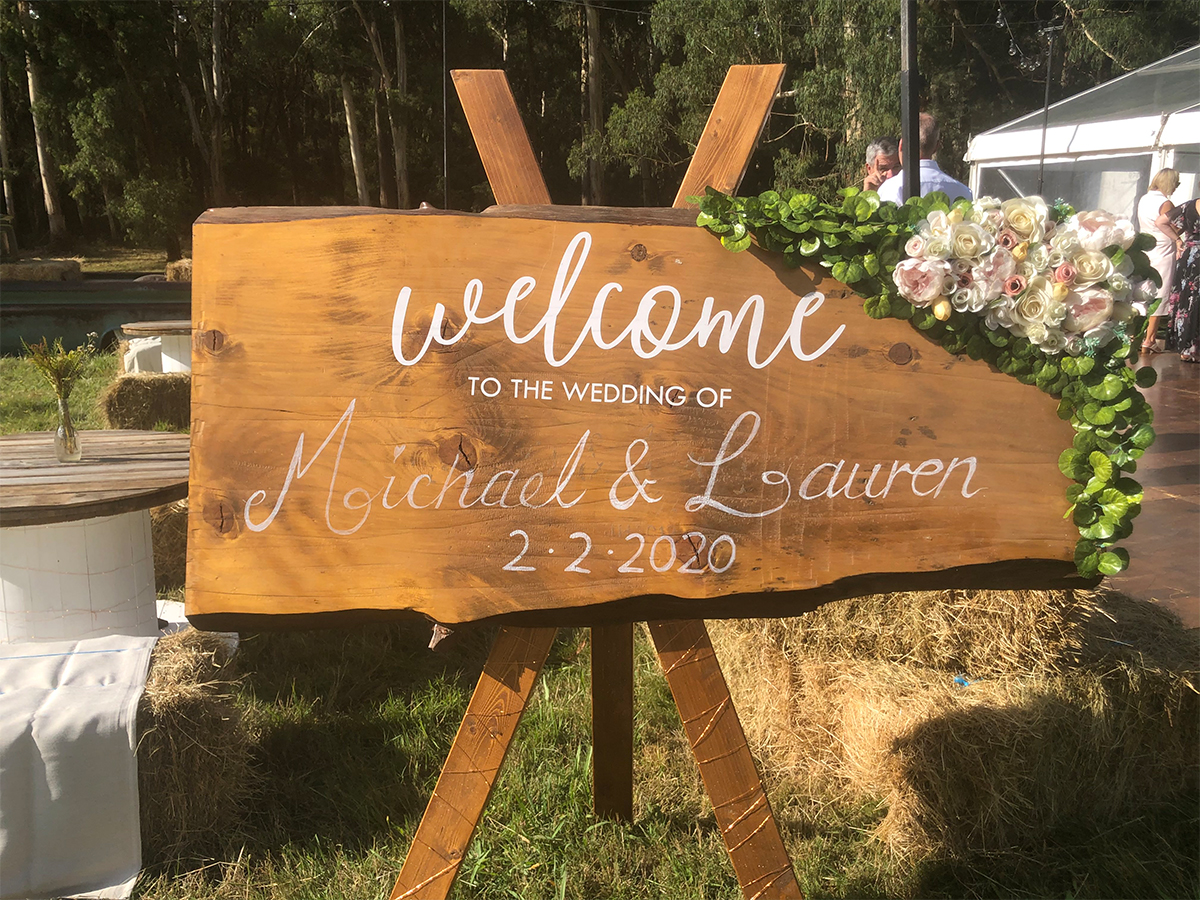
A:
{"x": 860, "y": 240}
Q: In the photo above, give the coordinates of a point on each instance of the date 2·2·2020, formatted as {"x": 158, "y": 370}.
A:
{"x": 662, "y": 556}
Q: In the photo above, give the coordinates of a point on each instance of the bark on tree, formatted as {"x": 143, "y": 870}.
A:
{"x": 595, "y": 98}
{"x": 10, "y": 197}
{"x": 381, "y": 166}
{"x": 356, "y": 151}
{"x": 400, "y": 120}
{"x": 218, "y": 119}
{"x": 49, "y": 174}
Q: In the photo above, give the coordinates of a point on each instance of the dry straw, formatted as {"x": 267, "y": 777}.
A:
{"x": 194, "y": 772}
{"x": 168, "y": 530}
{"x": 1066, "y": 708}
{"x": 147, "y": 401}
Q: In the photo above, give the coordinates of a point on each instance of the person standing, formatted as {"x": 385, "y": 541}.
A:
{"x": 883, "y": 161}
{"x": 1154, "y": 217}
{"x": 932, "y": 176}
{"x": 1185, "y": 296}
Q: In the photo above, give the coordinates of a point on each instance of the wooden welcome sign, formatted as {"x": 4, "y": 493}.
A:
{"x": 471, "y": 416}
{"x": 554, "y": 415}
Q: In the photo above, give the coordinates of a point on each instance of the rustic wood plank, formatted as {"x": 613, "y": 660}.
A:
{"x": 121, "y": 471}
{"x": 500, "y": 136}
{"x": 612, "y": 721}
{"x": 473, "y": 763}
{"x": 880, "y": 401}
{"x": 623, "y": 215}
{"x": 733, "y": 127}
{"x": 730, "y": 777}
{"x": 162, "y": 326}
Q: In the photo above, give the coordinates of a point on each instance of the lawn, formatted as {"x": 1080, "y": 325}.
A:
{"x": 347, "y": 730}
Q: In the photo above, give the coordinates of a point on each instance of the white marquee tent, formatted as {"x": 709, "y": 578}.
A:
{"x": 1102, "y": 145}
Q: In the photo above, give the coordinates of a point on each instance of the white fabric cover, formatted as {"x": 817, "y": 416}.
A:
{"x": 144, "y": 355}
{"x": 69, "y": 822}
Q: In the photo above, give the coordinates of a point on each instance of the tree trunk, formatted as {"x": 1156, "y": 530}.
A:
{"x": 356, "y": 152}
{"x": 10, "y": 195}
{"x": 399, "y": 120}
{"x": 385, "y": 200}
{"x": 108, "y": 208}
{"x": 595, "y": 98}
{"x": 218, "y": 118}
{"x": 50, "y": 196}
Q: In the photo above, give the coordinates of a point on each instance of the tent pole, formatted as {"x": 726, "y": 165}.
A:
{"x": 909, "y": 104}
{"x": 1048, "y": 33}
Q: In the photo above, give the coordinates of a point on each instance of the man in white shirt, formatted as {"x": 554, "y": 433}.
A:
{"x": 932, "y": 177}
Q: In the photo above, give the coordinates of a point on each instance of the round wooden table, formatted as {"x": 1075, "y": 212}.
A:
{"x": 175, "y": 336}
{"x": 76, "y": 558}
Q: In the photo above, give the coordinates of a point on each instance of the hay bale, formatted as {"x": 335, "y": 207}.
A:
{"x": 180, "y": 270}
{"x": 42, "y": 270}
{"x": 168, "y": 534}
{"x": 149, "y": 401}
{"x": 194, "y": 772}
{"x": 1078, "y": 709}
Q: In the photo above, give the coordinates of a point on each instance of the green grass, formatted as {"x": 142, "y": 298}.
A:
{"x": 27, "y": 401}
{"x": 351, "y": 728}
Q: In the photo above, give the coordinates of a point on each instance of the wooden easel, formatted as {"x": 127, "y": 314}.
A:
{"x": 726, "y": 765}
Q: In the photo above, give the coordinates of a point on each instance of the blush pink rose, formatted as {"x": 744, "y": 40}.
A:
{"x": 1065, "y": 274}
{"x": 921, "y": 281}
{"x": 1007, "y": 239}
{"x": 1014, "y": 284}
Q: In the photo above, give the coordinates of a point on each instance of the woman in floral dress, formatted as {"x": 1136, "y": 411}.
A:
{"x": 1185, "y": 293}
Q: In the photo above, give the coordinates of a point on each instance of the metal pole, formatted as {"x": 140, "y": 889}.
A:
{"x": 1049, "y": 33}
{"x": 909, "y": 103}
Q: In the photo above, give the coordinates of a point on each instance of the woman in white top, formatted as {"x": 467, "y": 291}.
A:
{"x": 1153, "y": 213}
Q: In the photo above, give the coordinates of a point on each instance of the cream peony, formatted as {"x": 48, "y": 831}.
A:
{"x": 1087, "y": 309}
{"x": 1026, "y": 217}
{"x": 968, "y": 241}
{"x": 937, "y": 224}
{"x": 922, "y": 280}
{"x": 1091, "y": 267}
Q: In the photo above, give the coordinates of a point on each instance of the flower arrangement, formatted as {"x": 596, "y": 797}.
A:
{"x": 1064, "y": 280}
{"x": 62, "y": 368}
{"x": 1052, "y": 297}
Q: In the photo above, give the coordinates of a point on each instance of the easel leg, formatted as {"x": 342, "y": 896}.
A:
{"x": 726, "y": 765}
{"x": 612, "y": 721}
{"x": 473, "y": 762}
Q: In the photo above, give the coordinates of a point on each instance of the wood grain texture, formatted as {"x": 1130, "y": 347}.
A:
{"x": 162, "y": 326}
{"x": 121, "y": 471}
{"x": 303, "y": 312}
{"x": 733, "y": 127}
{"x": 730, "y": 777}
{"x": 473, "y": 763}
{"x": 620, "y": 215}
{"x": 612, "y": 721}
{"x": 500, "y": 136}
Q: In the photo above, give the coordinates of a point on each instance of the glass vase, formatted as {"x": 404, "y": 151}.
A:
{"x": 66, "y": 439}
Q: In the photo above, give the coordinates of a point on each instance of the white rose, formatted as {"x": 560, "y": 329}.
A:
{"x": 1037, "y": 304}
{"x": 1092, "y": 267}
{"x": 1087, "y": 309}
{"x": 937, "y": 247}
{"x": 1054, "y": 341}
{"x": 1066, "y": 242}
{"x": 915, "y": 245}
{"x": 1035, "y": 331}
{"x": 985, "y": 203}
{"x": 1026, "y": 217}
{"x": 968, "y": 298}
{"x": 999, "y": 314}
{"x": 1144, "y": 291}
{"x": 921, "y": 280}
{"x": 937, "y": 223}
{"x": 968, "y": 240}
{"x": 1039, "y": 257}
{"x": 1119, "y": 285}
{"x": 1025, "y": 269}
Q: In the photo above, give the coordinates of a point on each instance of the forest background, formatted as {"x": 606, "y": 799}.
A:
{"x": 124, "y": 120}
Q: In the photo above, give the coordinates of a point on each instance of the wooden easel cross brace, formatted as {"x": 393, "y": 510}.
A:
{"x": 730, "y": 777}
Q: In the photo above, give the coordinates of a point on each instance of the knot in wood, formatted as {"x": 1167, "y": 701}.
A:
{"x": 210, "y": 340}
{"x": 901, "y": 354}
{"x": 222, "y": 516}
{"x": 638, "y": 252}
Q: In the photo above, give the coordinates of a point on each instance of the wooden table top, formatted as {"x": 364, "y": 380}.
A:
{"x": 159, "y": 327}
{"x": 121, "y": 471}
